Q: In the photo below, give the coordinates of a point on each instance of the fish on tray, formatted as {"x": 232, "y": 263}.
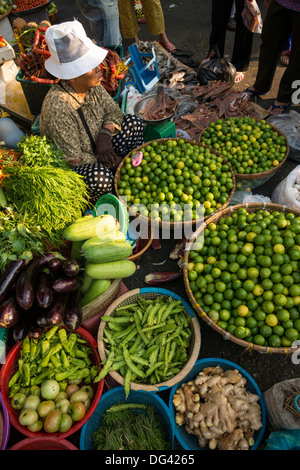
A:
{"x": 159, "y": 107}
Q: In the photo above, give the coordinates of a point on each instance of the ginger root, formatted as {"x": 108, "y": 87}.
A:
{"x": 217, "y": 408}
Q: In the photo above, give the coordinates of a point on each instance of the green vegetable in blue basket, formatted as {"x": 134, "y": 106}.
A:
{"x": 131, "y": 426}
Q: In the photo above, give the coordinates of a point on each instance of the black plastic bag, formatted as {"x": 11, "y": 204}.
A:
{"x": 216, "y": 68}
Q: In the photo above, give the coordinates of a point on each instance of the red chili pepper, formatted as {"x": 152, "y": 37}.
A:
{"x": 22, "y": 66}
{"x": 43, "y": 52}
{"x": 36, "y": 38}
{"x": 120, "y": 76}
{"x": 43, "y": 28}
{"x": 46, "y": 81}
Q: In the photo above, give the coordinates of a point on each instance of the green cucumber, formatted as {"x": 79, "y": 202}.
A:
{"x": 86, "y": 282}
{"x": 114, "y": 235}
{"x": 105, "y": 252}
{"x": 98, "y": 287}
{"x": 91, "y": 227}
{"x": 111, "y": 270}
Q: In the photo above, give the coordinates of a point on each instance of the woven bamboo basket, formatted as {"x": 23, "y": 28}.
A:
{"x": 260, "y": 178}
{"x": 103, "y": 301}
{"x": 165, "y": 224}
{"x": 251, "y": 207}
{"x": 195, "y": 343}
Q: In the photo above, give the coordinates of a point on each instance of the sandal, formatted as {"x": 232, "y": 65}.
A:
{"x": 252, "y": 93}
{"x": 281, "y": 107}
{"x": 239, "y": 76}
{"x": 168, "y": 46}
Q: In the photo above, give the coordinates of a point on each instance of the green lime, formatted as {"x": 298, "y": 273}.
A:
{"x": 259, "y": 340}
{"x": 240, "y": 332}
{"x": 271, "y": 319}
{"x": 274, "y": 341}
{"x": 292, "y": 334}
{"x": 265, "y": 331}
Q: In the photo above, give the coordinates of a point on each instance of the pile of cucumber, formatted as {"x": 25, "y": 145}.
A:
{"x": 103, "y": 251}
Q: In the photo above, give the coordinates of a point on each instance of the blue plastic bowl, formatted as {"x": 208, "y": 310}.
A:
{"x": 115, "y": 396}
{"x": 189, "y": 441}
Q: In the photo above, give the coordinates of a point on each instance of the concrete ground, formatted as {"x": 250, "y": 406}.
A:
{"x": 188, "y": 27}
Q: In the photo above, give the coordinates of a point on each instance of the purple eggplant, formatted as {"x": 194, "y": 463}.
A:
{"x": 71, "y": 268}
{"x": 55, "y": 265}
{"x": 9, "y": 313}
{"x": 55, "y": 314}
{"x": 21, "y": 329}
{"x": 63, "y": 285}
{"x": 25, "y": 287}
{"x": 44, "y": 292}
{"x": 9, "y": 278}
{"x": 73, "y": 312}
{"x": 35, "y": 331}
{"x": 42, "y": 320}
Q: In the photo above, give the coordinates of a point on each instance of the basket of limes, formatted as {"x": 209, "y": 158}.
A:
{"x": 242, "y": 275}
{"x": 178, "y": 181}
{"x": 255, "y": 149}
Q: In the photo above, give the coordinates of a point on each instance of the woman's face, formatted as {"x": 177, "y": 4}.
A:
{"x": 89, "y": 80}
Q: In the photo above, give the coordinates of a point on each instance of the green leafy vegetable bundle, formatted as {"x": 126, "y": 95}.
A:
{"x": 42, "y": 195}
{"x": 55, "y": 197}
{"x": 131, "y": 427}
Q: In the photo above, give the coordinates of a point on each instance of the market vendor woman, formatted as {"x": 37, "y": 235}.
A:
{"x": 79, "y": 115}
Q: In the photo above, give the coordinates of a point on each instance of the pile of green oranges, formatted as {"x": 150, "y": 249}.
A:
{"x": 244, "y": 271}
{"x": 249, "y": 146}
{"x": 176, "y": 181}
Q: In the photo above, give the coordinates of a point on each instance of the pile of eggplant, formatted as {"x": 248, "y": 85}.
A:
{"x": 40, "y": 293}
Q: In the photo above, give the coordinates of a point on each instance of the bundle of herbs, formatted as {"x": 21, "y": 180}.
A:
{"x": 52, "y": 196}
{"x": 40, "y": 196}
{"x": 131, "y": 426}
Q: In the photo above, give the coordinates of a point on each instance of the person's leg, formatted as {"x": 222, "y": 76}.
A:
{"x": 220, "y": 15}
{"x": 130, "y": 136}
{"x": 103, "y": 18}
{"x": 277, "y": 25}
{"x": 128, "y": 19}
{"x": 243, "y": 41}
{"x": 98, "y": 179}
{"x": 292, "y": 72}
{"x": 10, "y": 133}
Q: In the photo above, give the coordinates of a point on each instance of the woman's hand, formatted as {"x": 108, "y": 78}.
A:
{"x": 105, "y": 153}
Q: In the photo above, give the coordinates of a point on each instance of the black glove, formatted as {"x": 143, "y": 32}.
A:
{"x": 105, "y": 153}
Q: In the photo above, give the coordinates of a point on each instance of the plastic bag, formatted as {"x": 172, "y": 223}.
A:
{"x": 244, "y": 197}
{"x": 283, "y": 440}
{"x": 216, "y": 68}
{"x": 289, "y": 124}
{"x": 287, "y": 192}
{"x": 252, "y": 17}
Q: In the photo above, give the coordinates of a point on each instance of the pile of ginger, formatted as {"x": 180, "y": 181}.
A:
{"x": 218, "y": 409}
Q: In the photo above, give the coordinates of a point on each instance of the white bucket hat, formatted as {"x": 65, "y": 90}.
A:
{"x": 72, "y": 52}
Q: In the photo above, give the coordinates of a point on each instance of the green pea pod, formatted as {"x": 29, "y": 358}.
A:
{"x": 131, "y": 365}
{"x": 104, "y": 371}
{"x": 127, "y": 380}
{"x": 152, "y": 369}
